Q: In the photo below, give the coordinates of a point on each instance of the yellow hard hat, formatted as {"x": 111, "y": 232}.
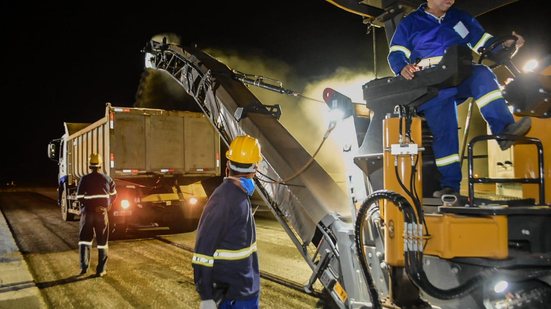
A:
{"x": 94, "y": 160}
{"x": 244, "y": 149}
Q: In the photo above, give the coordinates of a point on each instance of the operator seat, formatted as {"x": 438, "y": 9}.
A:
{"x": 383, "y": 94}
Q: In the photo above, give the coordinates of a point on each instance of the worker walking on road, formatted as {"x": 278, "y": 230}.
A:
{"x": 96, "y": 192}
{"x": 225, "y": 261}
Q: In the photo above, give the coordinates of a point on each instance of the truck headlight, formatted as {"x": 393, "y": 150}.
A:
{"x": 125, "y": 204}
{"x": 193, "y": 200}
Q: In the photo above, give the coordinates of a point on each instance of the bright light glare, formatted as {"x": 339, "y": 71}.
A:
{"x": 336, "y": 115}
{"x": 501, "y": 286}
{"x": 193, "y": 200}
{"x": 530, "y": 65}
{"x": 125, "y": 204}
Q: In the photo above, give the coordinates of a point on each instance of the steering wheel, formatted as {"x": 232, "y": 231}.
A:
{"x": 498, "y": 52}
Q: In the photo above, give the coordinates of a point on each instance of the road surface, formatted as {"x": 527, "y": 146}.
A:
{"x": 144, "y": 271}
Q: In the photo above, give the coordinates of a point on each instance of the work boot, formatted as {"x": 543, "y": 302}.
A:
{"x": 84, "y": 252}
{"x": 448, "y": 196}
{"x": 445, "y": 191}
{"x": 102, "y": 262}
{"x": 519, "y": 128}
{"x": 102, "y": 273}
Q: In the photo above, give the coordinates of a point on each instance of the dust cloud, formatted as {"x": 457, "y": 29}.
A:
{"x": 305, "y": 116}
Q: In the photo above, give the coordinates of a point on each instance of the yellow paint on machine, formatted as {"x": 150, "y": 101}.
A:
{"x": 450, "y": 235}
{"x": 454, "y": 236}
{"x": 341, "y": 293}
{"x": 394, "y": 218}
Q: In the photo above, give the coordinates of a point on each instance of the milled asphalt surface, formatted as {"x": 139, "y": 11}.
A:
{"x": 17, "y": 286}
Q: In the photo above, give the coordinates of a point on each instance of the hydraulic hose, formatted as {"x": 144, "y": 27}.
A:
{"x": 362, "y": 214}
{"x": 413, "y": 259}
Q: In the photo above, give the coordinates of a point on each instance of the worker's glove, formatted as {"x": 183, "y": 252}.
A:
{"x": 207, "y": 304}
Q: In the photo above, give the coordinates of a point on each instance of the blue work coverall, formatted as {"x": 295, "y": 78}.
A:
{"x": 225, "y": 249}
{"x": 96, "y": 192}
{"x": 423, "y": 38}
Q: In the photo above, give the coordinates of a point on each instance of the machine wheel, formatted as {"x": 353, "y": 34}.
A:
{"x": 532, "y": 294}
{"x": 65, "y": 214}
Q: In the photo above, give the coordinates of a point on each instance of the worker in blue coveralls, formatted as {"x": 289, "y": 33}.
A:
{"x": 96, "y": 193}
{"x": 420, "y": 41}
{"x": 225, "y": 262}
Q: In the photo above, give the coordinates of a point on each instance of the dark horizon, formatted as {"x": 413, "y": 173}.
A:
{"x": 65, "y": 63}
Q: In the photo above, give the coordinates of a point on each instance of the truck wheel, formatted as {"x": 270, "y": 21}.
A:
{"x": 118, "y": 231}
{"x": 65, "y": 214}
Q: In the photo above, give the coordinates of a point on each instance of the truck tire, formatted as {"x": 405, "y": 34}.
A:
{"x": 118, "y": 231}
{"x": 183, "y": 225}
{"x": 65, "y": 214}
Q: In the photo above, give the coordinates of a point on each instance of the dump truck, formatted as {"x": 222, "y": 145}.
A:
{"x": 159, "y": 160}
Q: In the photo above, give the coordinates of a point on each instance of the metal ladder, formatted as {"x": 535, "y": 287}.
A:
{"x": 540, "y": 180}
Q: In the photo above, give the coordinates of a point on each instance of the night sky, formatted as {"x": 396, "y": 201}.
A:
{"x": 65, "y": 62}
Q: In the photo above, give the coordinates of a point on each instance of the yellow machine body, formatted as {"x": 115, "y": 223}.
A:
{"x": 394, "y": 219}
{"x": 450, "y": 235}
{"x": 465, "y": 236}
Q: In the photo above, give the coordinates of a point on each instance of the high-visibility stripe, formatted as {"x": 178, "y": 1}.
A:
{"x": 447, "y": 160}
{"x": 403, "y": 49}
{"x": 224, "y": 254}
{"x": 485, "y": 37}
{"x": 91, "y": 197}
{"x": 489, "y": 98}
{"x": 203, "y": 260}
{"x": 87, "y": 243}
{"x": 103, "y": 247}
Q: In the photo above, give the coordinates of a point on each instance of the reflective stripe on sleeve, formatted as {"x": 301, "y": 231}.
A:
{"x": 485, "y": 37}
{"x": 224, "y": 254}
{"x": 403, "y": 49}
{"x": 203, "y": 260}
{"x": 90, "y": 197}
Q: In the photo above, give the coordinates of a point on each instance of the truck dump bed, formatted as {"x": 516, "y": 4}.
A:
{"x": 141, "y": 142}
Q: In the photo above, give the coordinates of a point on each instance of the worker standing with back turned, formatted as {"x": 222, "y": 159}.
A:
{"x": 96, "y": 192}
{"x": 225, "y": 261}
